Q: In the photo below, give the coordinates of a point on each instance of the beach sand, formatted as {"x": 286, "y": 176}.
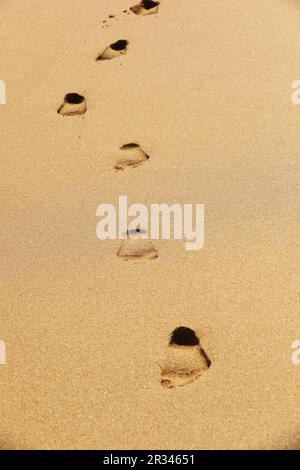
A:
{"x": 205, "y": 89}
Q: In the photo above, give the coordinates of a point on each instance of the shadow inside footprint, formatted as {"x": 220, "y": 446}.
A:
{"x": 114, "y": 50}
{"x": 131, "y": 156}
{"x": 145, "y": 7}
{"x": 135, "y": 248}
{"x": 185, "y": 359}
{"x": 73, "y": 104}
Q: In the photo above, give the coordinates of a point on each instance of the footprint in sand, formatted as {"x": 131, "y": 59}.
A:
{"x": 145, "y": 7}
{"x": 73, "y": 104}
{"x": 185, "y": 360}
{"x": 131, "y": 156}
{"x": 135, "y": 248}
{"x": 114, "y": 50}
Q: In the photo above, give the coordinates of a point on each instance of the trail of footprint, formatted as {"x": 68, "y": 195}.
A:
{"x": 137, "y": 249}
{"x": 114, "y": 50}
{"x": 74, "y": 104}
{"x": 145, "y": 7}
{"x": 185, "y": 359}
{"x": 131, "y": 156}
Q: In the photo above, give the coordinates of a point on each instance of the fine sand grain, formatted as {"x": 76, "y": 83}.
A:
{"x": 204, "y": 88}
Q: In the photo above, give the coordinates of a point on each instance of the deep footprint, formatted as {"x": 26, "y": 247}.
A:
{"x": 137, "y": 249}
{"x": 185, "y": 359}
{"x": 131, "y": 156}
{"x": 145, "y": 7}
{"x": 114, "y": 50}
{"x": 73, "y": 104}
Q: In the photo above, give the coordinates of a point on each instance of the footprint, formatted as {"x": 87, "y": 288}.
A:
{"x": 73, "y": 104}
{"x": 116, "y": 49}
{"x": 136, "y": 248}
{"x": 132, "y": 155}
{"x": 185, "y": 359}
{"x": 145, "y": 7}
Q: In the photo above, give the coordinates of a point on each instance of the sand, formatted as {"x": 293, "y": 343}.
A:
{"x": 205, "y": 89}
